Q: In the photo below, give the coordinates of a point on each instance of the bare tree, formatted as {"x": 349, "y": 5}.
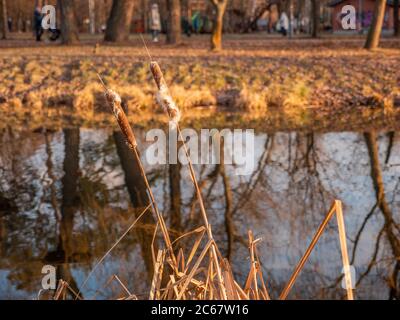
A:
{"x": 145, "y": 15}
{"x": 69, "y": 29}
{"x": 396, "y": 21}
{"x": 4, "y": 16}
{"x": 69, "y": 206}
{"x": 137, "y": 193}
{"x": 174, "y": 21}
{"x": 375, "y": 29}
{"x": 92, "y": 16}
{"x": 315, "y": 9}
{"x": 119, "y": 21}
{"x": 216, "y": 38}
{"x": 391, "y": 228}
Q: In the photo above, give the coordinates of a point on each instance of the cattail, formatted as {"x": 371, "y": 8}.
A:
{"x": 114, "y": 101}
{"x": 167, "y": 103}
{"x": 163, "y": 97}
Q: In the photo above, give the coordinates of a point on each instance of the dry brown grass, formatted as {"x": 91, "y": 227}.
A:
{"x": 284, "y": 78}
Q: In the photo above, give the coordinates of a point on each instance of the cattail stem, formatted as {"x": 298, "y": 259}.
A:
{"x": 300, "y": 265}
{"x": 114, "y": 101}
{"x": 167, "y": 103}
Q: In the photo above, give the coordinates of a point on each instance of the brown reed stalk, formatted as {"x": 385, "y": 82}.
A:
{"x": 343, "y": 248}
{"x": 335, "y": 208}
{"x": 157, "y": 276}
{"x": 62, "y": 289}
{"x": 303, "y": 260}
{"x": 114, "y": 100}
{"x": 165, "y": 100}
{"x": 251, "y": 284}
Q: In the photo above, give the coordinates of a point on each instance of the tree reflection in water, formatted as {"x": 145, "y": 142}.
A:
{"x": 66, "y": 196}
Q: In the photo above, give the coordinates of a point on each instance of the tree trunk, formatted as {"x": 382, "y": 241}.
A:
{"x": 396, "y": 21}
{"x": 175, "y": 196}
{"x": 216, "y": 38}
{"x": 315, "y": 7}
{"x": 229, "y": 225}
{"x": 70, "y": 201}
{"x": 69, "y": 29}
{"x": 69, "y": 192}
{"x": 174, "y": 21}
{"x": 92, "y": 16}
{"x": 138, "y": 195}
{"x": 119, "y": 21}
{"x": 375, "y": 29}
{"x": 145, "y": 15}
{"x": 377, "y": 179}
{"x": 4, "y": 16}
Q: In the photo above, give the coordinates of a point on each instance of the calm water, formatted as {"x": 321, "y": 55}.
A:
{"x": 66, "y": 196}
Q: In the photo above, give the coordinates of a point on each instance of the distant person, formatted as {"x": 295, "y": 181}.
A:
{"x": 9, "y": 23}
{"x": 54, "y": 34}
{"x": 186, "y": 26}
{"x": 38, "y": 17}
{"x": 196, "y": 22}
{"x": 155, "y": 25}
{"x": 284, "y": 24}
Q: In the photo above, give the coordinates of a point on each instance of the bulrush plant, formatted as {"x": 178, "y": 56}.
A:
{"x": 202, "y": 273}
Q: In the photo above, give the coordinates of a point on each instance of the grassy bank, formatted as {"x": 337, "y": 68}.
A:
{"x": 274, "y": 83}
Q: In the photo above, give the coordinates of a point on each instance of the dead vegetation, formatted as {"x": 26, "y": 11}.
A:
{"x": 200, "y": 272}
{"x": 287, "y": 85}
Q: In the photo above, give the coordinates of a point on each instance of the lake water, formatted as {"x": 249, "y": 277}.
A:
{"x": 66, "y": 196}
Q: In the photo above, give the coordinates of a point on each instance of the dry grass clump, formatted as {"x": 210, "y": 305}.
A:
{"x": 90, "y": 98}
{"x": 33, "y": 101}
{"x": 201, "y": 272}
{"x": 251, "y": 100}
{"x": 135, "y": 97}
{"x": 84, "y": 100}
{"x": 15, "y": 105}
{"x": 292, "y": 94}
{"x": 292, "y": 99}
{"x": 193, "y": 98}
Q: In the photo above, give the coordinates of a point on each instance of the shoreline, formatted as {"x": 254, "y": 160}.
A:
{"x": 287, "y": 85}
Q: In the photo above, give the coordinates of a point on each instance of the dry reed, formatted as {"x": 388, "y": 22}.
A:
{"x": 203, "y": 273}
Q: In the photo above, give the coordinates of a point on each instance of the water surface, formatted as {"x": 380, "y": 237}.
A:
{"x": 66, "y": 196}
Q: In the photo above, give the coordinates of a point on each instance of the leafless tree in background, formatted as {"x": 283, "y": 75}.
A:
{"x": 119, "y": 21}
{"x": 174, "y": 21}
{"x": 92, "y": 16}
{"x": 69, "y": 29}
{"x": 375, "y": 29}
{"x": 396, "y": 22}
{"x": 216, "y": 38}
{"x": 315, "y": 12}
{"x": 4, "y": 18}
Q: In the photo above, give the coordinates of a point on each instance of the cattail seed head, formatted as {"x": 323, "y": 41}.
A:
{"x": 163, "y": 96}
{"x": 114, "y": 100}
{"x": 157, "y": 74}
